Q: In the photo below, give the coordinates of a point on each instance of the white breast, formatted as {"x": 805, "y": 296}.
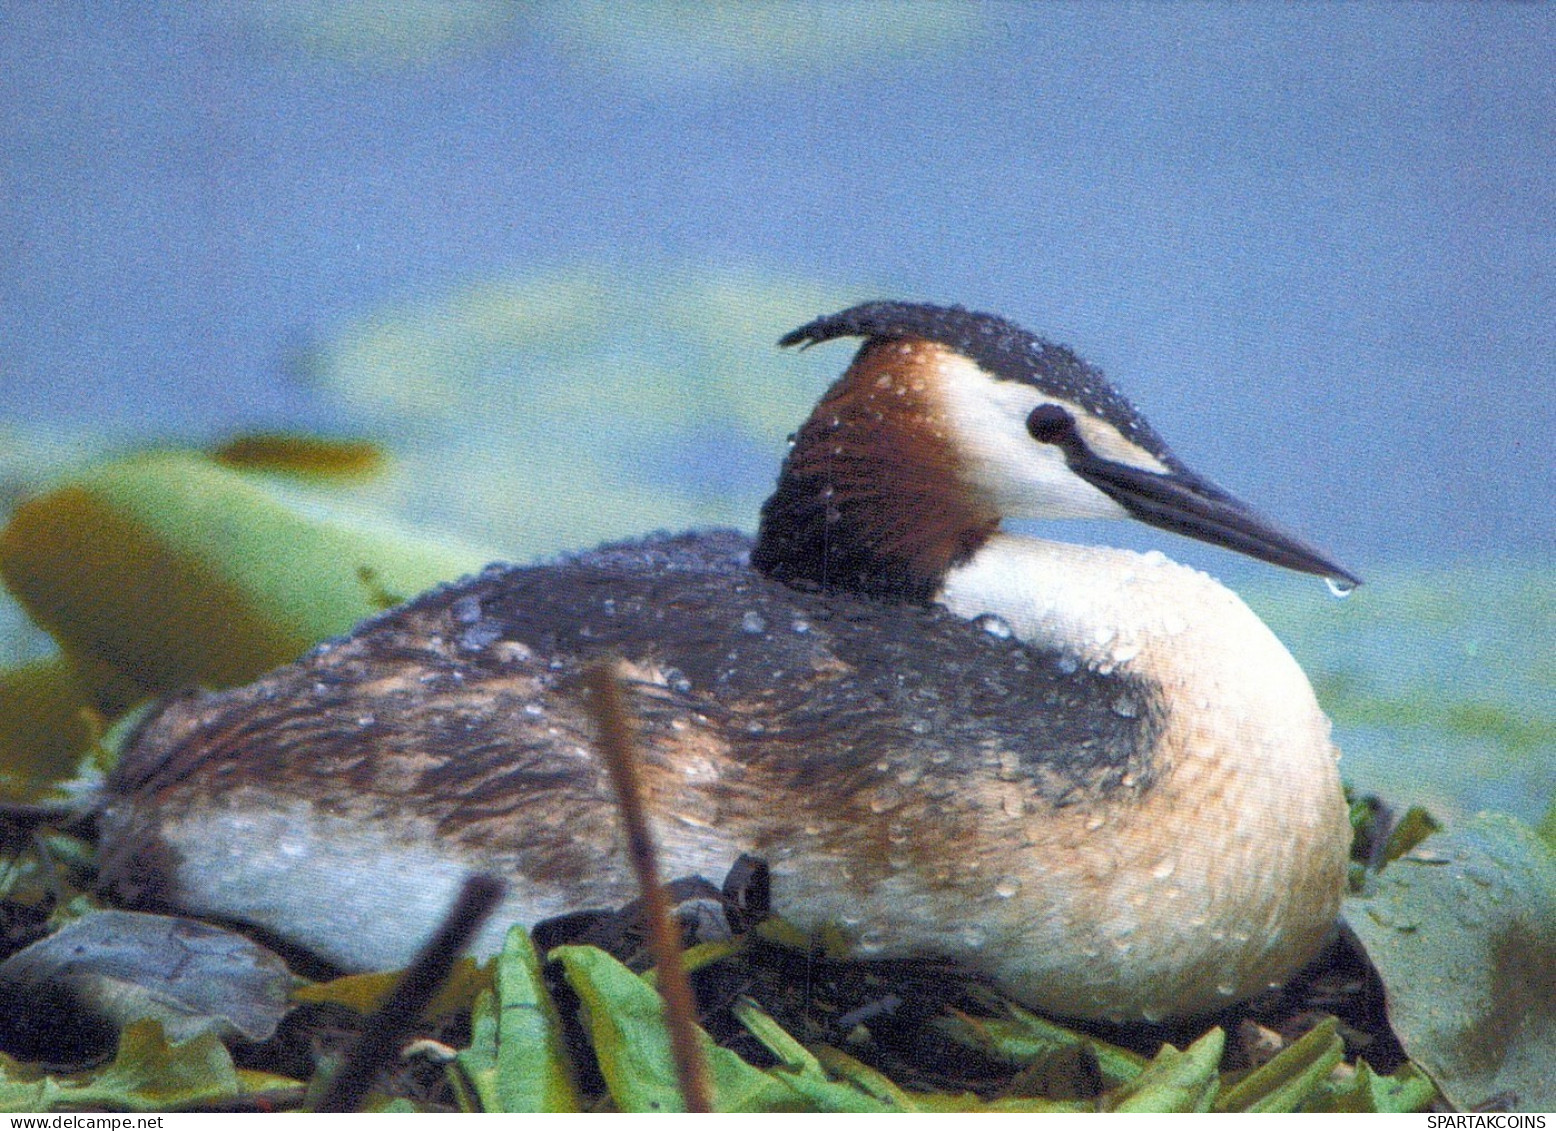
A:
{"x": 1246, "y": 833}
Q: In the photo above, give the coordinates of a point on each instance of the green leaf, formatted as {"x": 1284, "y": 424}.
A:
{"x": 1290, "y": 1077}
{"x": 1024, "y": 1037}
{"x": 695, "y": 958}
{"x": 864, "y": 1081}
{"x": 833, "y": 1081}
{"x": 151, "y": 1074}
{"x": 364, "y": 993}
{"x": 46, "y": 870}
{"x": 531, "y": 358}
{"x": 790, "y": 1053}
{"x": 1414, "y": 827}
{"x": 847, "y": 1070}
{"x": 1407, "y": 1090}
{"x": 626, "y": 1026}
{"x": 1174, "y": 1080}
{"x": 170, "y": 571}
{"x": 254, "y": 1082}
{"x": 968, "y": 1102}
{"x": 804, "y": 1071}
{"x": 397, "y": 1106}
{"x": 23, "y": 1088}
{"x": 517, "y": 1059}
{"x": 45, "y": 726}
{"x": 1462, "y": 932}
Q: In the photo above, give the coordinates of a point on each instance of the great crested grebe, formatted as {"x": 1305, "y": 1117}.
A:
{"x": 1092, "y": 774}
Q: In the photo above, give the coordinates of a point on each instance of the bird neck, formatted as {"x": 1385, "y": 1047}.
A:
{"x": 871, "y": 498}
{"x": 1111, "y": 609}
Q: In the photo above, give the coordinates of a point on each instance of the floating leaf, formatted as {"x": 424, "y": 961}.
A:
{"x": 517, "y": 1060}
{"x": 46, "y": 722}
{"x": 172, "y": 571}
{"x": 1462, "y": 932}
{"x": 1290, "y": 1077}
{"x": 670, "y": 43}
{"x": 192, "y": 977}
{"x": 309, "y": 457}
{"x": 1174, "y": 1080}
{"x": 487, "y": 389}
{"x": 378, "y": 37}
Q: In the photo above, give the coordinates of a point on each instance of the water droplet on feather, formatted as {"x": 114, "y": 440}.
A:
{"x": 479, "y": 635}
{"x": 871, "y": 942}
{"x": 996, "y": 626}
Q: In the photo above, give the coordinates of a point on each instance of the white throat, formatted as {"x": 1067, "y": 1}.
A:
{"x": 1115, "y": 609}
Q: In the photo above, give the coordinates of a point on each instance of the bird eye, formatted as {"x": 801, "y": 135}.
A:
{"x": 1050, "y": 424}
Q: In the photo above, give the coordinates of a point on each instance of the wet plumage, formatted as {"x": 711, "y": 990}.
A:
{"x": 1092, "y": 774}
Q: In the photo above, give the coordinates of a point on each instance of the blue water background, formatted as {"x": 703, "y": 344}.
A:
{"x": 544, "y": 251}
